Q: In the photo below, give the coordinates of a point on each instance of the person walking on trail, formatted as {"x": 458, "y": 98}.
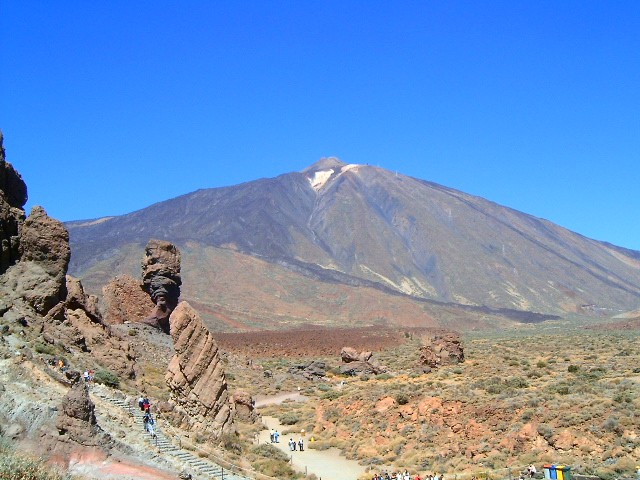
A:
{"x": 301, "y": 445}
{"x": 276, "y": 436}
{"x": 141, "y": 403}
{"x": 272, "y": 436}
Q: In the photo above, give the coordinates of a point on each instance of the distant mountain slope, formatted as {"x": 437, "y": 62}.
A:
{"x": 363, "y": 225}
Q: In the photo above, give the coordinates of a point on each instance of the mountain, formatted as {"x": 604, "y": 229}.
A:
{"x": 367, "y": 228}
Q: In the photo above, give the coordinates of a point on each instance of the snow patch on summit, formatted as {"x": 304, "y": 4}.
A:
{"x": 320, "y": 178}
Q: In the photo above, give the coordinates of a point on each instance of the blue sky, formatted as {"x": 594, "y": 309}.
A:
{"x": 108, "y": 107}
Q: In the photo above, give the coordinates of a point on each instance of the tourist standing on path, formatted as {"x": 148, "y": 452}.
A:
{"x": 276, "y": 436}
{"x": 301, "y": 445}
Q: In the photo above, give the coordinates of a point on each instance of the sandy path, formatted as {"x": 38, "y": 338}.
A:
{"x": 264, "y": 400}
{"x": 326, "y": 464}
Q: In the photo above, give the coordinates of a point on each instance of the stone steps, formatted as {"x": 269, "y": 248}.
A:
{"x": 204, "y": 468}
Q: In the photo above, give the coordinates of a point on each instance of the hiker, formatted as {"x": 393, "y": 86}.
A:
{"x": 146, "y": 406}
{"x": 150, "y": 428}
{"x": 141, "y": 403}
{"x": 276, "y": 436}
{"x": 531, "y": 469}
{"x": 272, "y": 436}
{"x": 145, "y": 421}
{"x": 85, "y": 375}
{"x": 301, "y": 445}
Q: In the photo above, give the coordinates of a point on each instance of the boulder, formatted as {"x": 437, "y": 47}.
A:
{"x": 441, "y": 349}
{"x": 124, "y": 300}
{"x": 195, "y": 375}
{"x": 77, "y": 419}
{"x": 243, "y": 406}
{"x": 311, "y": 371}
{"x": 349, "y": 354}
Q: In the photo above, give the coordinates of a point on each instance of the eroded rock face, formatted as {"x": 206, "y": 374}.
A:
{"x": 195, "y": 375}
{"x": 441, "y": 349}
{"x": 13, "y": 196}
{"x": 39, "y": 275}
{"x": 161, "y": 280}
{"x": 124, "y": 299}
{"x": 76, "y": 323}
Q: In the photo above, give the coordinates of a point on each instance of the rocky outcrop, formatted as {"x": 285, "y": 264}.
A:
{"x": 39, "y": 275}
{"x": 441, "y": 349}
{"x": 161, "y": 280}
{"x": 243, "y": 406}
{"x": 311, "y": 371}
{"x": 195, "y": 375}
{"x": 76, "y": 324}
{"x": 77, "y": 419}
{"x": 13, "y": 196}
{"x": 124, "y": 300}
{"x": 355, "y": 363}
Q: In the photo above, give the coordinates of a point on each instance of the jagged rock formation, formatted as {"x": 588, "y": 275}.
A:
{"x": 77, "y": 418}
{"x": 195, "y": 375}
{"x": 161, "y": 280}
{"x": 39, "y": 275}
{"x": 34, "y": 288}
{"x": 76, "y": 323}
{"x": 441, "y": 349}
{"x": 355, "y": 363}
{"x": 13, "y": 196}
{"x": 124, "y": 300}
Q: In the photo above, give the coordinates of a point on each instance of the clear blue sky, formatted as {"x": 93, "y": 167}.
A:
{"x": 108, "y": 107}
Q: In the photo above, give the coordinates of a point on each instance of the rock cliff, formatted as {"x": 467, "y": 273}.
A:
{"x": 195, "y": 375}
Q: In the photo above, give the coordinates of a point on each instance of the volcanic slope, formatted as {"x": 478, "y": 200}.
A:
{"x": 364, "y": 226}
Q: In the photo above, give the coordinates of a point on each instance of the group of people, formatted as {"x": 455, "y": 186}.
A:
{"x": 404, "y": 476}
{"x": 293, "y": 445}
{"x": 147, "y": 419}
{"x": 88, "y": 376}
{"x": 275, "y": 436}
{"x": 144, "y": 404}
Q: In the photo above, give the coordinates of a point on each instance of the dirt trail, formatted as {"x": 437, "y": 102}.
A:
{"x": 264, "y": 400}
{"x": 326, "y": 464}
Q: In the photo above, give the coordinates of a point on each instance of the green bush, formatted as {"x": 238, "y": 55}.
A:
{"x": 289, "y": 418}
{"x": 45, "y": 348}
{"x": 107, "y": 377}
{"x": 270, "y": 451}
{"x": 573, "y": 368}
{"x": 402, "y": 398}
